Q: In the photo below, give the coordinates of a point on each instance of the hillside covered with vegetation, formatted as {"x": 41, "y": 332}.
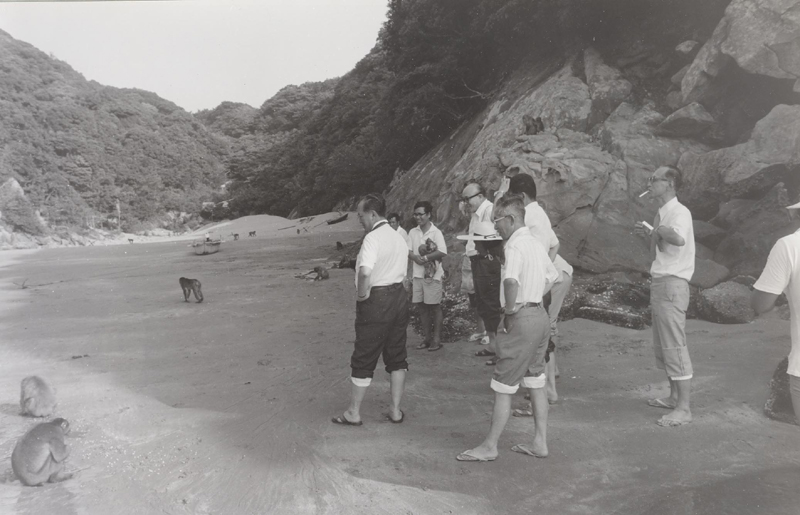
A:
{"x": 76, "y": 146}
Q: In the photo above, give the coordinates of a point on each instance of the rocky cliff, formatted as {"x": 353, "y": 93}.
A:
{"x": 719, "y": 100}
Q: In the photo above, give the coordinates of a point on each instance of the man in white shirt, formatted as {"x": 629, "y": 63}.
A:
{"x": 672, "y": 250}
{"x": 521, "y": 348}
{"x": 538, "y": 223}
{"x": 427, "y": 291}
{"x": 782, "y": 274}
{"x": 381, "y": 310}
{"x": 485, "y": 261}
{"x": 394, "y": 222}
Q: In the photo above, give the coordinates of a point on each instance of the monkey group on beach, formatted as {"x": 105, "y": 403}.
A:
{"x": 40, "y": 454}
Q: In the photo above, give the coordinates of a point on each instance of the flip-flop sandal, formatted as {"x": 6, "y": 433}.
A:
{"x": 466, "y": 456}
{"x": 399, "y": 421}
{"x": 344, "y": 422}
{"x": 524, "y": 450}
{"x": 670, "y": 423}
{"x": 477, "y": 336}
{"x": 519, "y": 412}
{"x": 658, "y": 403}
{"x": 423, "y": 345}
{"x": 484, "y": 353}
{"x": 435, "y": 347}
{"x": 492, "y": 362}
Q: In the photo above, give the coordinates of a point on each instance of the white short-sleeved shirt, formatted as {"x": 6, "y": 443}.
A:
{"x": 386, "y": 253}
{"x": 417, "y": 238}
{"x": 482, "y": 214}
{"x": 539, "y": 224}
{"x": 527, "y": 263}
{"x": 675, "y": 261}
{"x": 782, "y": 273}
{"x": 402, "y": 232}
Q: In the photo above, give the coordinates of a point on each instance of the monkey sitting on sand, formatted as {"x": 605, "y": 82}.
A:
{"x": 36, "y": 397}
{"x": 320, "y": 274}
{"x": 39, "y": 456}
{"x": 189, "y": 286}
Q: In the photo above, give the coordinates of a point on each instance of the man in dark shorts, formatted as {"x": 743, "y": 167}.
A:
{"x": 522, "y": 340}
{"x": 381, "y": 310}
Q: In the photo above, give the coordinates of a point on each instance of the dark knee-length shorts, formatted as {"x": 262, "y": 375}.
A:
{"x": 381, "y": 323}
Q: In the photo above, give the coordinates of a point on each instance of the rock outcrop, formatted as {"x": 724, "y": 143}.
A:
{"x": 726, "y": 303}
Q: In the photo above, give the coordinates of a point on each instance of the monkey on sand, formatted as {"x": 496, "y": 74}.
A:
{"x": 189, "y": 286}
{"x": 39, "y": 456}
{"x": 36, "y": 397}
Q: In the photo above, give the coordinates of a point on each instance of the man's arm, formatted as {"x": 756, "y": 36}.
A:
{"x": 510, "y": 290}
{"x": 669, "y": 235}
{"x": 415, "y": 258}
{"x": 762, "y": 301}
{"x": 362, "y": 287}
{"x": 552, "y": 252}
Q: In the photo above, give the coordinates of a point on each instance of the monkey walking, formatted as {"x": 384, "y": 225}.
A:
{"x": 251, "y": 233}
{"x": 189, "y": 286}
{"x": 39, "y": 456}
{"x": 36, "y": 397}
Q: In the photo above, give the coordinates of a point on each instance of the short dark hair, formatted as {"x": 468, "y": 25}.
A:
{"x": 374, "y": 202}
{"x": 522, "y": 183}
{"x": 674, "y": 175}
{"x": 394, "y": 215}
{"x": 511, "y": 205}
{"x": 425, "y": 205}
{"x": 481, "y": 190}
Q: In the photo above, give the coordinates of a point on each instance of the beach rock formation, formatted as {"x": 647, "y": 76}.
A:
{"x": 779, "y": 402}
{"x": 726, "y": 303}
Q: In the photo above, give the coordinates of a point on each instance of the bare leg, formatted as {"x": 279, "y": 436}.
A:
{"x": 500, "y": 414}
{"x": 672, "y": 400}
{"x": 492, "y": 341}
{"x": 397, "y": 382}
{"x": 550, "y": 373}
{"x": 353, "y": 413}
{"x": 437, "y": 323}
{"x": 682, "y": 414}
{"x": 425, "y": 316}
{"x": 794, "y": 388}
{"x": 540, "y": 408}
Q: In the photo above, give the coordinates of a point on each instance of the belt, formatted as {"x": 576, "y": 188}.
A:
{"x": 387, "y": 287}
{"x": 531, "y": 305}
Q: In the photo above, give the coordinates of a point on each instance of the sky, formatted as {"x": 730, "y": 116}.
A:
{"x": 199, "y": 53}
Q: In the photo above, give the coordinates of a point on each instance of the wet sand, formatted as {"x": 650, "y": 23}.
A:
{"x": 224, "y": 407}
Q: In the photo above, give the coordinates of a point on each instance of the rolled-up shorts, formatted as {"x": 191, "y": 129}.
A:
{"x": 381, "y": 323}
{"x": 520, "y": 353}
{"x": 669, "y": 299}
{"x": 426, "y": 291}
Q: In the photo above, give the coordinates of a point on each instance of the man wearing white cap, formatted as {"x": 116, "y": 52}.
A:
{"x": 782, "y": 274}
{"x": 522, "y": 345}
{"x": 672, "y": 250}
{"x": 485, "y": 259}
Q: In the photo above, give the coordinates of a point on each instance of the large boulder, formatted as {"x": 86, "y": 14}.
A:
{"x": 761, "y": 36}
{"x": 687, "y": 121}
{"x": 707, "y": 273}
{"x": 607, "y": 88}
{"x": 771, "y": 155}
{"x": 708, "y": 234}
{"x": 726, "y": 303}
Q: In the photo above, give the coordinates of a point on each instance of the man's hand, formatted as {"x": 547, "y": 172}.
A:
{"x": 359, "y": 298}
{"x": 641, "y": 230}
{"x": 508, "y": 321}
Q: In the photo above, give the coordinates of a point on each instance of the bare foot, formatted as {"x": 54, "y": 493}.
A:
{"x": 675, "y": 418}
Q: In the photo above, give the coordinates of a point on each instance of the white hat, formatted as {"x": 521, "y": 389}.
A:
{"x": 484, "y": 231}
{"x": 794, "y": 206}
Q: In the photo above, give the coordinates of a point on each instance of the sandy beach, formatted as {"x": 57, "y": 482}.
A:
{"x": 224, "y": 407}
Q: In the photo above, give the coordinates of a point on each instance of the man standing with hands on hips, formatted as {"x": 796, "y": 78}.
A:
{"x": 672, "y": 251}
{"x": 525, "y": 330}
{"x": 381, "y": 310}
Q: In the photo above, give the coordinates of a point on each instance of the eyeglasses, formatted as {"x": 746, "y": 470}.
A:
{"x": 420, "y": 214}
{"x": 467, "y": 199}
{"x": 495, "y": 220}
{"x": 651, "y": 180}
